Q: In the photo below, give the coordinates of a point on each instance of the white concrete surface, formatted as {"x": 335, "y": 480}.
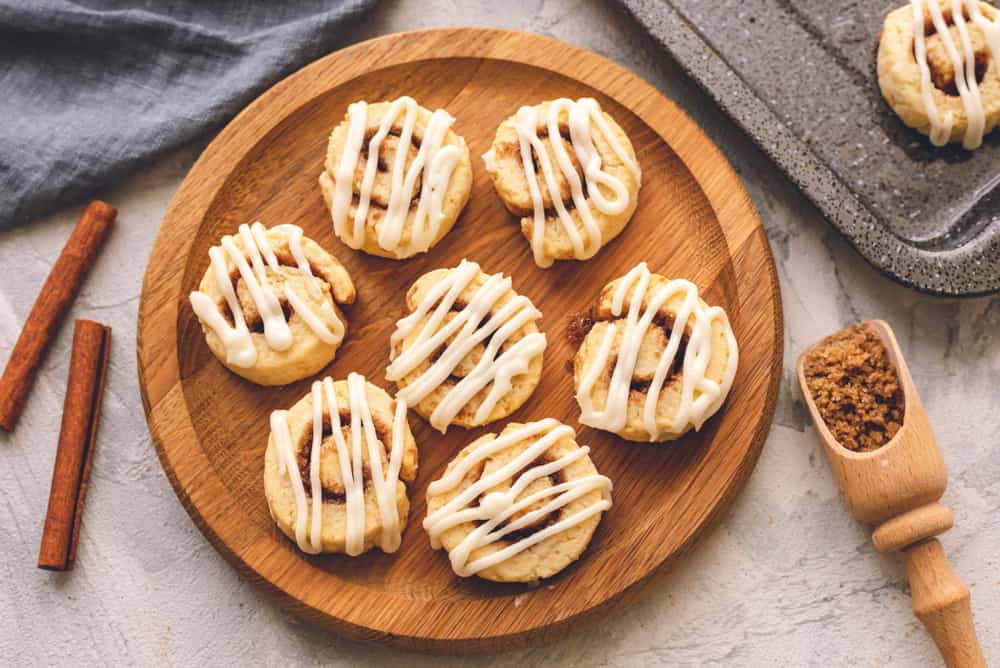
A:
{"x": 786, "y": 579}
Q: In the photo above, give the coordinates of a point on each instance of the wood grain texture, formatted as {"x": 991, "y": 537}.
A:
{"x": 694, "y": 220}
{"x": 941, "y": 602}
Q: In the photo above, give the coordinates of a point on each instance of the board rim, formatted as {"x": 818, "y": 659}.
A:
{"x": 158, "y": 362}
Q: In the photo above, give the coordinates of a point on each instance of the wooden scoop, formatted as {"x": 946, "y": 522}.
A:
{"x": 896, "y": 488}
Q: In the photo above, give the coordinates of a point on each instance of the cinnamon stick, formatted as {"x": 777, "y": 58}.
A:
{"x": 50, "y": 308}
{"x": 81, "y": 413}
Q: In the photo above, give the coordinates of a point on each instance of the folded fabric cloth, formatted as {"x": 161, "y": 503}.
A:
{"x": 91, "y": 89}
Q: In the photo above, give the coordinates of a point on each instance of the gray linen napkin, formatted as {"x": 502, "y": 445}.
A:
{"x": 90, "y": 90}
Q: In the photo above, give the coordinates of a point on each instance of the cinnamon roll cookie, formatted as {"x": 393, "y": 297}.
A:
{"x": 396, "y": 177}
{"x": 517, "y": 507}
{"x": 469, "y": 352}
{"x": 939, "y": 69}
{"x": 654, "y": 360}
{"x": 569, "y": 172}
{"x": 336, "y": 468}
{"x": 269, "y": 304}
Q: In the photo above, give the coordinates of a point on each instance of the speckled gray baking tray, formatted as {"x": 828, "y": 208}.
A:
{"x": 799, "y": 77}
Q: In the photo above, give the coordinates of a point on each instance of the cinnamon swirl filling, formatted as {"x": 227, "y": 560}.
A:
{"x": 395, "y": 178}
{"x": 269, "y": 303}
{"x": 938, "y": 68}
{"x": 654, "y": 360}
{"x": 470, "y": 351}
{"x": 336, "y": 468}
{"x": 518, "y": 506}
{"x": 569, "y": 172}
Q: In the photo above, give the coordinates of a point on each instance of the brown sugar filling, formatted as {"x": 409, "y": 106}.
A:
{"x": 336, "y": 491}
{"x": 458, "y": 305}
{"x": 388, "y": 149}
{"x": 255, "y": 323}
{"x": 567, "y": 140}
{"x": 855, "y": 388}
{"x": 512, "y": 150}
{"x": 394, "y": 132}
{"x": 556, "y": 478}
{"x": 580, "y": 325}
{"x": 250, "y": 313}
{"x": 939, "y": 63}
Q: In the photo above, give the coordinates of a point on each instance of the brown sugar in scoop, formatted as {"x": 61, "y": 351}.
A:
{"x": 855, "y": 388}
{"x": 861, "y": 398}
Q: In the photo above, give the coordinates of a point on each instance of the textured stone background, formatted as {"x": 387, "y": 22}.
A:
{"x": 787, "y": 578}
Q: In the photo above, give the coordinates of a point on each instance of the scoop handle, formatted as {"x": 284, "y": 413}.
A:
{"x": 941, "y": 602}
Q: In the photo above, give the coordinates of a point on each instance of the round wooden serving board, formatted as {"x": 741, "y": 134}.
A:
{"x": 210, "y": 427}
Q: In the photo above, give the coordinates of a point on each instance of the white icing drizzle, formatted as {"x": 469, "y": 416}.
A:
{"x": 963, "y": 61}
{"x": 468, "y": 329}
{"x": 236, "y": 338}
{"x": 351, "y": 467}
{"x": 692, "y": 410}
{"x": 434, "y": 163}
{"x": 581, "y": 114}
{"x": 495, "y": 508}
